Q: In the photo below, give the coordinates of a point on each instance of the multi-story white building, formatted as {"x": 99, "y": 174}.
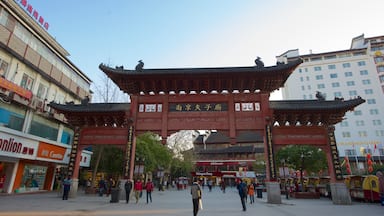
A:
{"x": 34, "y": 70}
{"x": 345, "y": 74}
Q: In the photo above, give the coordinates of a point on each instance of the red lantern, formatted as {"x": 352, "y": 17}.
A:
{"x": 369, "y": 163}
{"x": 368, "y": 156}
{"x": 370, "y": 169}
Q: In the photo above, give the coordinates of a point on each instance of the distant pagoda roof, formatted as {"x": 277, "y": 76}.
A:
{"x": 265, "y": 79}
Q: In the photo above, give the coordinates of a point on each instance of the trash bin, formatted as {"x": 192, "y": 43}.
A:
{"x": 259, "y": 192}
{"x": 115, "y": 194}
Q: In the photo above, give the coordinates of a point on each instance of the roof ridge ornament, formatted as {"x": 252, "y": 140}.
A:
{"x": 140, "y": 66}
{"x": 259, "y": 63}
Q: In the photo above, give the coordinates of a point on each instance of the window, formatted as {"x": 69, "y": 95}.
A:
{"x": 379, "y": 133}
{"x": 358, "y": 112}
{"x": 350, "y": 152}
{"x": 344, "y": 124}
{"x": 376, "y": 122}
{"x": 330, "y": 57}
{"x": 318, "y": 68}
{"x": 300, "y": 70}
{"x": 379, "y": 59}
{"x": 380, "y": 68}
{"x": 319, "y": 77}
{"x": 331, "y": 67}
{"x": 368, "y": 91}
{"x": 346, "y": 65}
{"x": 302, "y": 88}
{"x": 301, "y": 79}
{"x": 350, "y": 83}
{"x": 366, "y": 151}
{"x": 363, "y": 72}
{"x": 346, "y": 134}
{"x": 333, "y": 75}
{"x": 381, "y": 78}
{"x": 320, "y": 86}
{"x": 361, "y": 63}
{"x": 353, "y": 93}
{"x": 374, "y": 111}
{"x": 27, "y": 82}
{"x": 335, "y": 84}
{"x": 42, "y": 91}
{"x": 348, "y": 74}
{"x": 362, "y": 133}
{"x": 3, "y": 67}
{"x": 371, "y": 101}
{"x": 337, "y": 94}
{"x": 359, "y": 123}
{"x": 366, "y": 82}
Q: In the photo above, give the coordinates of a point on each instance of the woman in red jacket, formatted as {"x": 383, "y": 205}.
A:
{"x": 149, "y": 188}
{"x": 138, "y": 189}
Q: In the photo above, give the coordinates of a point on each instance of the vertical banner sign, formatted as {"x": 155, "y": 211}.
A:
{"x": 128, "y": 152}
{"x": 334, "y": 153}
{"x": 72, "y": 157}
{"x": 271, "y": 156}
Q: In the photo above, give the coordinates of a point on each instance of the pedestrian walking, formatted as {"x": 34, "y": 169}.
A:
{"x": 251, "y": 193}
{"x": 102, "y": 187}
{"x": 138, "y": 189}
{"x": 128, "y": 188}
{"x": 196, "y": 197}
{"x": 149, "y": 188}
{"x": 242, "y": 188}
{"x": 67, "y": 187}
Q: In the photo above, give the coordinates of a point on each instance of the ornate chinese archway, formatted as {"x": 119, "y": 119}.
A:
{"x": 230, "y": 100}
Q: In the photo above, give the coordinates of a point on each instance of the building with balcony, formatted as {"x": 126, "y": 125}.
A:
{"x": 345, "y": 74}
{"x": 34, "y": 70}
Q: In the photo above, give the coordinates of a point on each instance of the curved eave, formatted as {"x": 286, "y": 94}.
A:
{"x": 91, "y": 107}
{"x": 312, "y": 111}
{"x": 95, "y": 114}
{"x": 201, "y": 79}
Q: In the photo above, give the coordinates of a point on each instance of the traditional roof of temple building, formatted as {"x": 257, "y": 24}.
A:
{"x": 312, "y": 111}
{"x": 291, "y": 111}
{"x": 254, "y": 78}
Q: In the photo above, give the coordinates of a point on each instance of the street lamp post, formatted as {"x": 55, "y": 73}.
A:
{"x": 285, "y": 180}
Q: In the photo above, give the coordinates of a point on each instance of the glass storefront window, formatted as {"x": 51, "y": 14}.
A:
{"x": 33, "y": 177}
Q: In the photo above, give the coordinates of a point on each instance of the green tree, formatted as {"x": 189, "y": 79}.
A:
{"x": 302, "y": 157}
{"x": 154, "y": 153}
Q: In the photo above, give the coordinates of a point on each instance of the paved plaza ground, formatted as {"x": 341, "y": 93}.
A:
{"x": 174, "y": 202}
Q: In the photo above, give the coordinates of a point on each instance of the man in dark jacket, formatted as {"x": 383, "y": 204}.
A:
{"x": 242, "y": 188}
{"x": 128, "y": 188}
{"x": 196, "y": 196}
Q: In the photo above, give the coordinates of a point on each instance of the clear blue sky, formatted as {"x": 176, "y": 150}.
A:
{"x": 203, "y": 33}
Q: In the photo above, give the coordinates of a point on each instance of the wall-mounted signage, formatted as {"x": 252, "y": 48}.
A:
{"x": 33, "y": 13}
{"x": 198, "y": 107}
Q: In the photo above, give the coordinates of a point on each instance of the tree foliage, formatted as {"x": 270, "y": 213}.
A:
{"x": 154, "y": 154}
{"x": 302, "y": 157}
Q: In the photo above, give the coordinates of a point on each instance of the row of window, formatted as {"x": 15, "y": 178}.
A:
{"x": 28, "y": 83}
{"x": 347, "y": 134}
{"x": 334, "y": 56}
{"x": 333, "y": 66}
{"x": 376, "y": 122}
{"x": 15, "y": 119}
{"x": 24, "y": 35}
{"x": 364, "y": 151}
